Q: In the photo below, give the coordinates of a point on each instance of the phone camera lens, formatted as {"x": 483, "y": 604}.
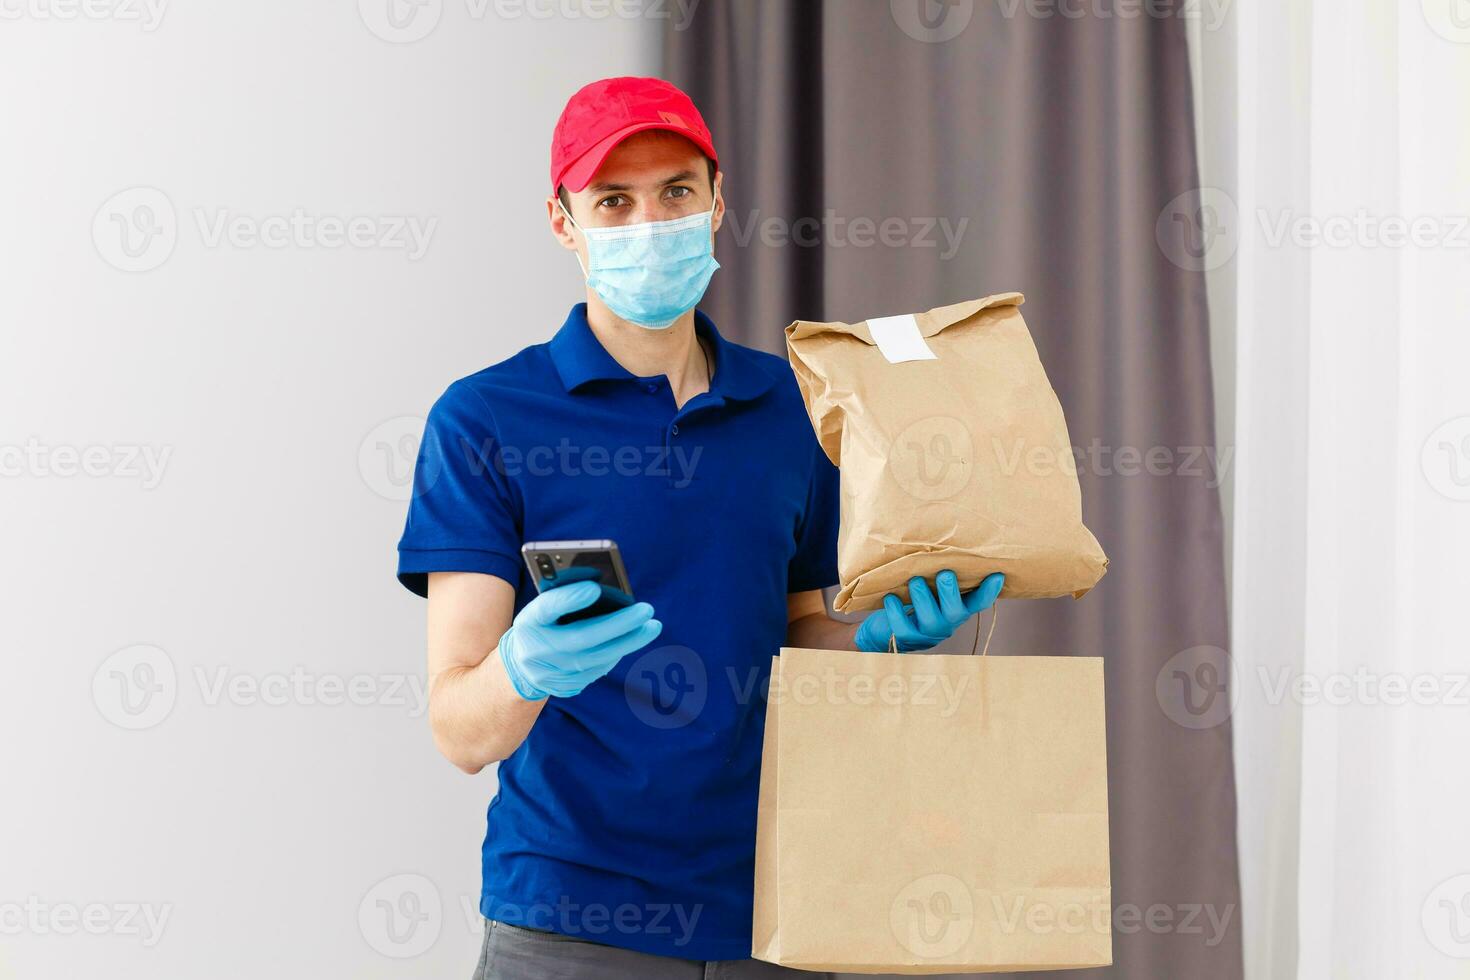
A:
{"x": 547, "y": 569}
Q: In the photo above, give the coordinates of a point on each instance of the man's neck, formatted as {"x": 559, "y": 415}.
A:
{"x": 674, "y": 351}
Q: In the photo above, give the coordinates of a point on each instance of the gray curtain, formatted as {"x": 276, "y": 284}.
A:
{"x": 1032, "y": 153}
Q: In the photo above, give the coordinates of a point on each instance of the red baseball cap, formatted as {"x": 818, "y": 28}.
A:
{"x": 603, "y": 114}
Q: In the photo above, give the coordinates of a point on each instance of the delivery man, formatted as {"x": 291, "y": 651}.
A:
{"x": 621, "y": 842}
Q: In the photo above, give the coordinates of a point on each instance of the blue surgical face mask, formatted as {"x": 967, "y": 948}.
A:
{"x": 652, "y": 273}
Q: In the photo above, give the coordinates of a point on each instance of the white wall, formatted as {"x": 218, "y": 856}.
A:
{"x": 278, "y": 389}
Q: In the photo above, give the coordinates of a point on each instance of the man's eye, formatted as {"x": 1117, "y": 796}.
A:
{"x": 678, "y": 192}
{"x": 614, "y": 201}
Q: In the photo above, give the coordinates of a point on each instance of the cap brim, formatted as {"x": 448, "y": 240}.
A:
{"x": 576, "y": 177}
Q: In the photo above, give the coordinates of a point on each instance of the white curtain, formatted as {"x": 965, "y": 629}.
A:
{"x": 1351, "y": 555}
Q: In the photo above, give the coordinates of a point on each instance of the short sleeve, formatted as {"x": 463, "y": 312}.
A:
{"x": 464, "y": 515}
{"x": 814, "y": 565}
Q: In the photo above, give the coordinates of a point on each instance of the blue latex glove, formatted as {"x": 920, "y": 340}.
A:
{"x": 543, "y": 658}
{"x": 925, "y": 621}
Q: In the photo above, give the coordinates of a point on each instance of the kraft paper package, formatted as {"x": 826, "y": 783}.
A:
{"x": 927, "y": 813}
{"x": 953, "y": 451}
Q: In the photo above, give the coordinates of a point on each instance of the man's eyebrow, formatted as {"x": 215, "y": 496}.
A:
{"x": 603, "y": 188}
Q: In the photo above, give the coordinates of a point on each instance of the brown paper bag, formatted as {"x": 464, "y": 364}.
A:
{"x": 925, "y": 813}
{"x": 953, "y": 449}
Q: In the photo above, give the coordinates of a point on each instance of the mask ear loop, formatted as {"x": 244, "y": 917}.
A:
{"x": 579, "y": 229}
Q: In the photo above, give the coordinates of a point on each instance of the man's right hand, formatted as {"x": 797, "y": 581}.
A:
{"x": 543, "y": 658}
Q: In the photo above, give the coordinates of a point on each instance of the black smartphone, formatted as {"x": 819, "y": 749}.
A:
{"x": 556, "y": 563}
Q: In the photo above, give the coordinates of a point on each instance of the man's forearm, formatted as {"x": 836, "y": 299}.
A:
{"x": 819, "y": 631}
{"x": 476, "y": 715}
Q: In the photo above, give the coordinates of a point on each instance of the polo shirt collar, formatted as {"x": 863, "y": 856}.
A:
{"x": 579, "y": 358}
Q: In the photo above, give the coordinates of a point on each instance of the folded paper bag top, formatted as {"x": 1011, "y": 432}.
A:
{"x": 953, "y": 450}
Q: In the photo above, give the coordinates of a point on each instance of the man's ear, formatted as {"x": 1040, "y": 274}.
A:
{"x": 561, "y": 228}
{"x": 719, "y": 213}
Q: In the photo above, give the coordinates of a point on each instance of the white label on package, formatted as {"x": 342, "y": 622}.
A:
{"x": 899, "y": 340}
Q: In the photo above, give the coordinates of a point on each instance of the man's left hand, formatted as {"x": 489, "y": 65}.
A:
{"x": 925, "y": 621}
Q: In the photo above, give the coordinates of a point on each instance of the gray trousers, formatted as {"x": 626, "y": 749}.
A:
{"x": 514, "y": 953}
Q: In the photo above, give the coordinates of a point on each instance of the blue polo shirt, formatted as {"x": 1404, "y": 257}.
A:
{"x": 627, "y": 816}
